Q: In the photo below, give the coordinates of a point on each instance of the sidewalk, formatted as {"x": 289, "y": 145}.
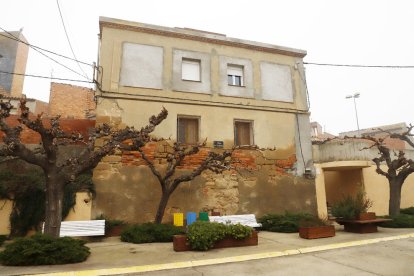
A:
{"x": 111, "y": 256}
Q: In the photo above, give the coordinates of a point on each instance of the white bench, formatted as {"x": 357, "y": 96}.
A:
{"x": 248, "y": 220}
{"x": 82, "y": 228}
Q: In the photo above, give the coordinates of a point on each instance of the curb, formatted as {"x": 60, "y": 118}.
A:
{"x": 233, "y": 259}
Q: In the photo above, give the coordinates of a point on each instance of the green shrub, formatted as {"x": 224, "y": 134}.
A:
{"x": 407, "y": 211}
{"x": 238, "y": 231}
{"x": 287, "y": 223}
{"x": 399, "y": 221}
{"x": 350, "y": 207}
{"x": 44, "y": 250}
{"x": 202, "y": 235}
{"x": 150, "y": 232}
{"x": 313, "y": 221}
{"x": 2, "y": 239}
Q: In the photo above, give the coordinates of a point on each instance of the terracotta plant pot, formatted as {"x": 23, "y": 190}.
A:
{"x": 180, "y": 242}
{"x": 317, "y": 232}
{"x": 115, "y": 231}
{"x": 366, "y": 216}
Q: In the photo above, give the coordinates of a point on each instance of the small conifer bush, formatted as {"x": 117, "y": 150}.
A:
{"x": 2, "y": 239}
{"x": 150, "y": 232}
{"x": 283, "y": 223}
{"x": 399, "y": 221}
{"x": 44, "y": 250}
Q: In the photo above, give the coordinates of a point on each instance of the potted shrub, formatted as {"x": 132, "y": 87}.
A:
{"x": 352, "y": 213}
{"x": 113, "y": 227}
{"x": 283, "y": 223}
{"x": 315, "y": 228}
{"x": 353, "y": 208}
{"x": 203, "y": 235}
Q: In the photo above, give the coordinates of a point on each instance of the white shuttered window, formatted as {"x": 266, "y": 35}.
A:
{"x": 190, "y": 69}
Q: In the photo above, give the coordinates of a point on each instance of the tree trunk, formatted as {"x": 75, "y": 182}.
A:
{"x": 54, "y": 204}
{"x": 161, "y": 207}
{"x": 395, "y": 197}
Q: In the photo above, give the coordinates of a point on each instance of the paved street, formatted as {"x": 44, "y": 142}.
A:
{"x": 386, "y": 258}
{"x": 386, "y": 252}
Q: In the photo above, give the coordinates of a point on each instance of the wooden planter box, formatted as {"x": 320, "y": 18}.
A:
{"x": 367, "y": 216}
{"x": 180, "y": 242}
{"x": 317, "y": 232}
{"x": 115, "y": 231}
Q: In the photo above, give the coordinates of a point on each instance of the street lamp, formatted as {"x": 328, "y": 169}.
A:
{"x": 356, "y": 95}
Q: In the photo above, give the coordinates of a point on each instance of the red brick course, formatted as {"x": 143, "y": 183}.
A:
{"x": 243, "y": 159}
{"x": 29, "y": 136}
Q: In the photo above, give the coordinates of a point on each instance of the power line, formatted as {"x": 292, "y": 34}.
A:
{"x": 40, "y": 48}
{"x": 70, "y": 69}
{"x": 44, "y": 77}
{"x": 67, "y": 37}
{"x": 362, "y": 66}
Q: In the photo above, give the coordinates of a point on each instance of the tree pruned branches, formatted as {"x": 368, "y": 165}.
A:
{"x": 169, "y": 180}
{"x": 59, "y": 172}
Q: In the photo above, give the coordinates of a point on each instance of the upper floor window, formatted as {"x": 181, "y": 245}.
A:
{"x": 190, "y": 69}
{"x": 235, "y": 75}
{"x": 243, "y": 133}
{"x": 187, "y": 130}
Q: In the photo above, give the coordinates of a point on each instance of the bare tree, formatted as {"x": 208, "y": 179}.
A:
{"x": 169, "y": 180}
{"x": 399, "y": 167}
{"x": 58, "y": 172}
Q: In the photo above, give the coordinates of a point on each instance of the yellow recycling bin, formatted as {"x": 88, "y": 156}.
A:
{"x": 178, "y": 219}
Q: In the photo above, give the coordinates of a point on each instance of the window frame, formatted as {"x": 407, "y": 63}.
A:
{"x": 191, "y": 61}
{"x": 251, "y": 132}
{"x": 233, "y": 76}
{"x": 198, "y": 119}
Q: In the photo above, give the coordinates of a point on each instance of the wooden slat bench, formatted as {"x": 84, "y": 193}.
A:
{"x": 82, "y": 228}
{"x": 248, "y": 220}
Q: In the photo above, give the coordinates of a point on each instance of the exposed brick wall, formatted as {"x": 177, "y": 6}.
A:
{"x": 31, "y": 137}
{"x": 243, "y": 159}
{"x": 71, "y": 101}
{"x": 395, "y": 144}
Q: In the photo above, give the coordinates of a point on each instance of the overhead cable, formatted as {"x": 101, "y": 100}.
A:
{"x": 362, "y": 66}
{"x": 70, "y": 69}
{"x": 43, "y": 49}
{"x": 70, "y": 44}
{"x": 44, "y": 77}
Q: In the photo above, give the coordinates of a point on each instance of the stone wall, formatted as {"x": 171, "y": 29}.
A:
{"x": 261, "y": 182}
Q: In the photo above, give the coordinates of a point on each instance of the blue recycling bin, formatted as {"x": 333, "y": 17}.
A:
{"x": 191, "y": 217}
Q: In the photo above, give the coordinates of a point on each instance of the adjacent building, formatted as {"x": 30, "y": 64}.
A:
{"x": 13, "y": 59}
{"x": 14, "y": 51}
{"x": 228, "y": 91}
{"x": 344, "y": 166}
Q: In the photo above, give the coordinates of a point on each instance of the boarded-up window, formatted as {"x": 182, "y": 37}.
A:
{"x": 141, "y": 66}
{"x": 190, "y": 69}
{"x": 187, "y": 128}
{"x": 276, "y": 82}
{"x": 243, "y": 133}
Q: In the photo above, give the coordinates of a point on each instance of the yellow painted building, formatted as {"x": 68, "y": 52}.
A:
{"x": 229, "y": 91}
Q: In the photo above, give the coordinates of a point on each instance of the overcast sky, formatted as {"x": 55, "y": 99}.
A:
{"x": 369, "y": 32}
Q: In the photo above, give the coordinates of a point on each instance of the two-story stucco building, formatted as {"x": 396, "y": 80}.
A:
{"x": 229, "y": 91}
